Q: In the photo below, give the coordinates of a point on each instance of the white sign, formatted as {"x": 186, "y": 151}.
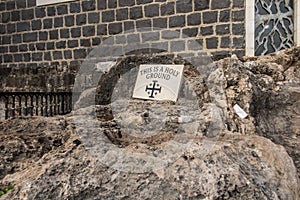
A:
{"x": 158, "y": 82}
{"x": 47, "y": 2}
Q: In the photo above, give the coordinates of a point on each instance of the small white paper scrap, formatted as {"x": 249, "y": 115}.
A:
{"x": 239, "y": 111}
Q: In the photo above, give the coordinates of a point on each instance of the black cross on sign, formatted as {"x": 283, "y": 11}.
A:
{"x": 153, "y": 89}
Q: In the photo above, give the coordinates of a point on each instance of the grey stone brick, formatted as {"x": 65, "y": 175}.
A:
{"x": 18, "y": 57}
{"x": 238, "y": 42}
{"x": 223, "y": 29}
{"x": 102, "y": 29}
{"x": 220, "y": 55}
{"x": 15, "y": 16}
{"x": 238, "y": 15}
{"x": 177, "y": 46}
{"x": 5, "y": 17}
{"x": 143, "y": 1}
{"x": 160, "y": 22}
{"x": 167, "y": 8}
{"x": 76, "y": 32}
{"x": 201, "y": 5}
{"x": 225, "y": 42}
{"x": 37, "y": 56}
{"x": 166, "y": 34}
{"x": 23, "y": 26}
{"x": 212, "y": 43}
{"x": 53, "y": 35}
{"x": 108, "y": 16}
{"x": 184, "y": 6}
{"x": 217, "y": 4}
{"x": 43, "y": 36}
{"x": 238, "y": 29}
{"x": 62, "y": 9}
{"x": 143, "y": 23}
{"x": 112, "y": 3}
{"x": 61, "y": 45}
{"x": 79, "y": 53}
{"x": 88, "y": 31}
{"x": 36, "y": 24}
{"x": 85, "y": 42}
{"x": 177, "y": 21}
{"x": 13, "y": 49}
{"x": 128, "y": 25}
{"x": 69, "y": 20}
{"x": 93, "y": 18}
{"x": 88, "y": 5}
{"x": 23, "y": 47}
{"x": 72, "y": 43}
{"x": 6, "y": 39}
{"x": 122, "y": 14}
{"x": 238, "y": 3}
{"x": 10, "y": 5}
{"x": 80, "y": 19}
{"x": 194, "y": 19}
{"x": 3, "y": 49}
{"x": 41, "y": 46}
{"x": 47, "y": 23}
{"x": 64, "y": 33}
{"x": 190, "y": 32}
{"x": 21, "y": 4}
{"x": 136, "y": 12}
{"x": 40, "y": 12}
{"x": 101, "y": 4}
{"x": 224, "y": 16}
{"x": 126, "y": 3}
{"x": 67, "y": 54}
{"x": 31, "y": 3}
{"x": 150, "y": 36}
{"x": 51, "y": 11}
{"x": 133, "y": 38}
{"x": 2, "y": 29}
{"x": 151, "y": 10}
{"x": 57, "y": 55}
{"x": 114, "y": 28}
{"x": 206, "y": 30}
{"x": 7, "y": 58}
{"x": 16, "y": 39}
{"x": 27, "y": 57}
{"x": 30, "y": 37}
{"x": 27, "y": 14}
{"x": 75, "y": 7}
{"x": 32, "y": 47}
{"x": 210, "y": 17}
{"x": 96, "y": 41}
{"x": 58, "y": 22}
{"x": 120, "y": 39}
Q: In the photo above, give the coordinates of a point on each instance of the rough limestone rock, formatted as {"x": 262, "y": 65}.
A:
{"x": 202, "y": 152}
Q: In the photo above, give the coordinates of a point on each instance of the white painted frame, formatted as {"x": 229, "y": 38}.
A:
{"x": 250, "y": 26}
{"x": 47, "y": 2}
{"x": 297, "y": 23}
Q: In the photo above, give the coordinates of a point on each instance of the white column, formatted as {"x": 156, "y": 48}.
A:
{"x": 297, "y": 22}
{"x": 250, "y": 27}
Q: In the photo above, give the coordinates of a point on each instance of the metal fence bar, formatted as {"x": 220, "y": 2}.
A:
{"x": 35, "y": 103}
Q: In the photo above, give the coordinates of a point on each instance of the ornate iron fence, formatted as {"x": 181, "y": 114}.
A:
{"x": 35, "y": 103}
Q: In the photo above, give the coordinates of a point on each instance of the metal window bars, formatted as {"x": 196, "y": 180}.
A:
{"x": 35, "y": 103}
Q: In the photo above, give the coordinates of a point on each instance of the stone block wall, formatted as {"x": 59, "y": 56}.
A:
{"x": 44, "y": 45}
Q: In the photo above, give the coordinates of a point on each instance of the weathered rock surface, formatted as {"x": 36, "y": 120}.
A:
{"x": 237, "y": 167}
{"x": 252, "y": 158}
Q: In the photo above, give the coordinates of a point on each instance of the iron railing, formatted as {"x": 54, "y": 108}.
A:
{"x": 14, "y": 104}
